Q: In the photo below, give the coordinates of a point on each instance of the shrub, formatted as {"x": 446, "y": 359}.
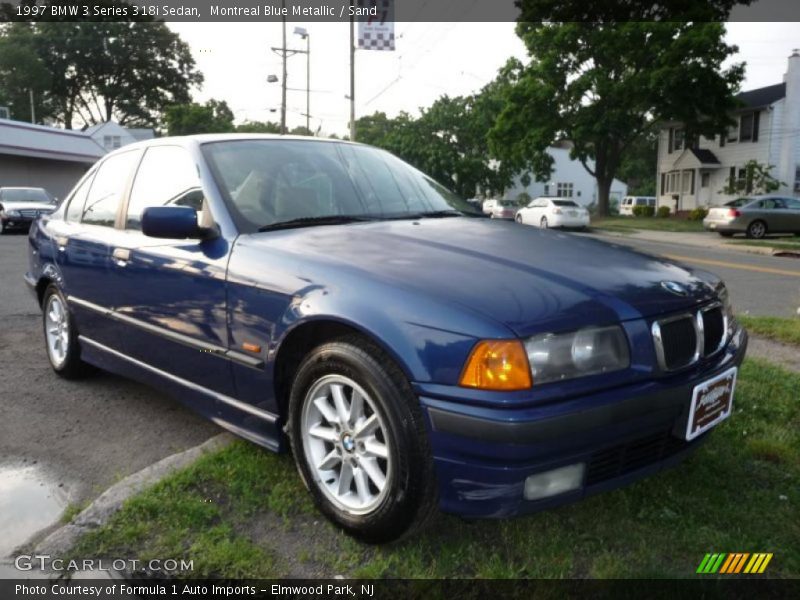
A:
{"x": 698, "y": 214}
{"x": 663, "y": 212}
{"x": 523, "y": 198}
{"x": 644, "y": 211}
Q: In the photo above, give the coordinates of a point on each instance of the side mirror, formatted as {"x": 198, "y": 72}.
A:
{"x": 173, "y": 222}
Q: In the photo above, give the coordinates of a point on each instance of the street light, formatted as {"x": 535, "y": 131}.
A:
{"x": 303, "y": 33}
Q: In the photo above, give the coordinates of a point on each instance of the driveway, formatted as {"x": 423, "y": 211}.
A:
{"x": 62, "y": 441}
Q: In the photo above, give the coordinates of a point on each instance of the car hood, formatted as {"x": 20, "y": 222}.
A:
{"x": 11, "y": 205}
{"x": 528, "y": 279}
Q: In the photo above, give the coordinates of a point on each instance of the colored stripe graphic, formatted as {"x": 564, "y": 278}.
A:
{"x": 734, "y": 563}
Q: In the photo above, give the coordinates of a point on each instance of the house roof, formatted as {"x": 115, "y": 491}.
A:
{"x": 696, "y": 158}
{"x": 706, "y": 157}
{"x": 25, "y": 139}
{"x": 763, "y": 96}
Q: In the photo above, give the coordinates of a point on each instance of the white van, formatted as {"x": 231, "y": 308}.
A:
{"x": 628, "y": 202}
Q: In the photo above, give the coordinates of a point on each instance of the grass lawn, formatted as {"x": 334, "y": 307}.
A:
{"x": 242, "y": 512}
{"x": 781, "y": 329}
{"x": 631, "y": 224}
{"x": 780, "y": 243}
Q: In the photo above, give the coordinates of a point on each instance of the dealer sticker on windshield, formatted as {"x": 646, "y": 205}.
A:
{"x": 712, "y": 402}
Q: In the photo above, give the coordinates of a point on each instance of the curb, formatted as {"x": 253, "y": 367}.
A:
{"x": 103, "y": 508}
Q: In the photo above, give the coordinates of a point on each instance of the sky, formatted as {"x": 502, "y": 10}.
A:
{"x": 431, "y": 59}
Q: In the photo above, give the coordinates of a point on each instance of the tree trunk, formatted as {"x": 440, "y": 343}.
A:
{"x": 603, "y": 193}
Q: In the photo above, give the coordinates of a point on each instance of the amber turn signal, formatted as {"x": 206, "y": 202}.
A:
{"x": 497, "y": 365}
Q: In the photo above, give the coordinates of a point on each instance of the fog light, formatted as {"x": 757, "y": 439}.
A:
{"x": 557, "y": 481}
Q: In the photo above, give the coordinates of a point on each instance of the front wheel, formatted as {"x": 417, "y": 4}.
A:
{"x": 61, "y": 337}
{"x": 359, "y": 441}
{"x": 543, "y": 223}
{"x": 518, "y": 219}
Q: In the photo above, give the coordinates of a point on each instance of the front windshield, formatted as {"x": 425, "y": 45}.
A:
{"x": 27, "y": 195}
{"x": 268, "y": 182}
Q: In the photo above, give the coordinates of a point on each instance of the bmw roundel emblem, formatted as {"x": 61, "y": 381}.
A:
{"x": 675, "y": 287}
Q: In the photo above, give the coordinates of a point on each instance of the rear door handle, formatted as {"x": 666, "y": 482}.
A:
{"x": 121, "y": 256}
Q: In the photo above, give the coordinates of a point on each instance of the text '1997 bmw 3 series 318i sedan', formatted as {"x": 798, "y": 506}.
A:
{"x": 326, "y": 297}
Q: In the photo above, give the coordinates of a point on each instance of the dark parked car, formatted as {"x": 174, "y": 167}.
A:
{"x": 755, "y": 217}
{"x": 19, "y": 206}
{"x": 326, "y": 296}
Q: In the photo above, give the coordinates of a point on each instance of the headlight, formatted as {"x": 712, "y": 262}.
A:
{"x": 554, "y": 357}
{"x": 727, "y": 307}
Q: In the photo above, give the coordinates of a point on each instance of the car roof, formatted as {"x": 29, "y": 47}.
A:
{"x": 206, "y": 138}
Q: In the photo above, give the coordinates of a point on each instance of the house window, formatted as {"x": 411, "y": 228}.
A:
{"x": 564, "y": 190}
{"x": 112, "y": 142}
{"x": 733, "y": 133}
{"x": 678, "y": 139}
{"x": 743, "y": 182}
{"x": 746, "y": 127}
{"x": 546, "y": 189}
{"x": 705, "y": 179}
{"x": 688, "y": 183}
{"x": 674, "y": 182}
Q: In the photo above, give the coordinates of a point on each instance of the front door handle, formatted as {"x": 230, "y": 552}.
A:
{"x": 121, "y": 256}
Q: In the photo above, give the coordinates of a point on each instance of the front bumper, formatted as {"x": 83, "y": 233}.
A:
{"x": 10, "y": 223}
{"x": 483, "y": 457}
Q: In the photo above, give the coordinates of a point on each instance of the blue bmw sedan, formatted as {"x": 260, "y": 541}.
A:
{"x": 325, "y": 297}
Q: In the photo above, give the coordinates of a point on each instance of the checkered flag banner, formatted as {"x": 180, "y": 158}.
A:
{"x": 376, "y": 32}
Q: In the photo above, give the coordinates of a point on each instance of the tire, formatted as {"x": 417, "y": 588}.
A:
{"x": 518, "y": 219}
{"x": 725, "y": 234}
{"x": 543, "y": 223}
{"x": 757, "y": 230}
{"x": 2, "y": 227}
{"x": 61, "y": 337}
{"x": 344, "y": 473}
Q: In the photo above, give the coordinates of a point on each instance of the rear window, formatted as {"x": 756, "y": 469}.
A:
{"x": 27, "y": 195}
{"x": 564, "y": 203}
{"x": 738, "y": 202}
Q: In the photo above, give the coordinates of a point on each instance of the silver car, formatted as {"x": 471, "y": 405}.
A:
{"x": 19, "y": 206}
{"x": 755, "y": 216}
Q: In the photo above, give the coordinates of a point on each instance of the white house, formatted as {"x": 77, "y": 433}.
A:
{"x": 569, "y": 179}
{"x": 111, "y": 135}
{"x": 767, "y": 130}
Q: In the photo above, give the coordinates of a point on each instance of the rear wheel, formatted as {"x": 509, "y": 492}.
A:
{"x": 61, "y": 337}
{"x": 518, "y": 219}
{"x": 757, "y": 230}
{"x": 543, "y": 223}
{"x": 359, "y": 441}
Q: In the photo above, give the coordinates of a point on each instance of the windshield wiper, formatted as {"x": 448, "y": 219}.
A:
{"x": 434, "y": 214}
{"x": 311, "y": 221}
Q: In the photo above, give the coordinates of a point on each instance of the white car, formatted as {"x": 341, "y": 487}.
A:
{"x": 553, "y": 212}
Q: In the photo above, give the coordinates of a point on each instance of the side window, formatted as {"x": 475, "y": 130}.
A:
{"x": 167, "y": 176}
{"x": 107, "y": 189}
{"x": 78, "y": 200}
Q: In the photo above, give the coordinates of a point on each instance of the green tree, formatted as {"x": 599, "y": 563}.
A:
{"x": 104, "y": 69}
{"x": 638, "y": 165}
{"x": 757, "y": 179}
{"x": 212, "y": 117}
{"x": 605, "y": 84}
{"x": 258, "y": 127}
{"x": 22, "y": 72}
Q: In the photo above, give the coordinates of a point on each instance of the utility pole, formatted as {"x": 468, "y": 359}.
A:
{"x": 352, "y": 78}
{"x": 283, "y": 79}
{"x": 33, "y": 109}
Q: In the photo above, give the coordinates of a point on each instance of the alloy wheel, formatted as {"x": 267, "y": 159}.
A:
{"x": 757, "y": 229}
{"x": 346, "y": 444}
{"x": 57, "y": 330}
